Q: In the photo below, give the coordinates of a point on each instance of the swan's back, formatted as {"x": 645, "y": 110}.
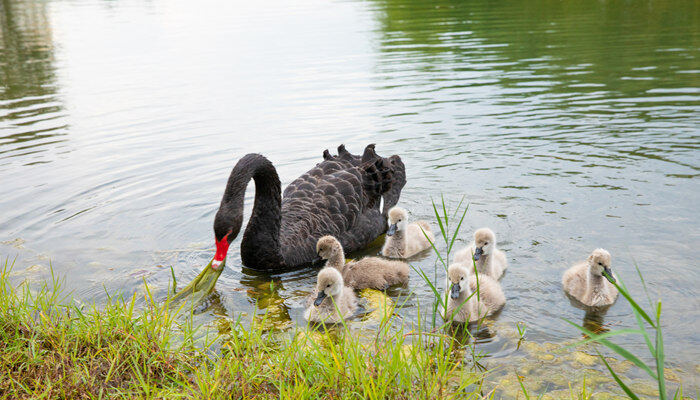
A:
{"x": 340, "y": 197}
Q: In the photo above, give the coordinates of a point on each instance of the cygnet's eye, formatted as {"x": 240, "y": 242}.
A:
{"x": 328, "y": 285}
{"x": 601, "y": 264}
{"x": 485, "y": 243}
{"x": 461, "y": 279}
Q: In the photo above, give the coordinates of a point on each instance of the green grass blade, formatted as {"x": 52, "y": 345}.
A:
{"x": 430, "y": 284}
{"x": 644, "y": 284}
{"x": 172, "y": 273}
{"x": 616, "y": 348}
{"x": 624, "y": 387}
{"x": 456, "y": 232}
{"x": 520, "y": 381}
{"x": 623, "y": 291}
{"x": 644, "y": 333}
{"x": 437, "y": 252}
{"x": 444, "y": 211}
{"x": 439, "y": 220}
{"x": 659, "y": 355}
{"x": 459, "y": 205}
{"x": 604, "y": 336}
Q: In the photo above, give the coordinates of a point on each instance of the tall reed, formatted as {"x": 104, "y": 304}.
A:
{"x": 648, "y": 327}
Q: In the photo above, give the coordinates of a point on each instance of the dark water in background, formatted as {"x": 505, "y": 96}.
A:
{"x": 567, "y": 126}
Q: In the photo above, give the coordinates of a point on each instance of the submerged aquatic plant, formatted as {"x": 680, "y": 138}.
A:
{"x": 522, "y": 328}
{"x": 200, "y": 287}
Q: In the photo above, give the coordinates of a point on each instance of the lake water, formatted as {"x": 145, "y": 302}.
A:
{"x": 566, "y": 125}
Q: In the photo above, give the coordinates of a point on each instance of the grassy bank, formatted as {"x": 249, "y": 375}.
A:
{"x": 52, "y": 347}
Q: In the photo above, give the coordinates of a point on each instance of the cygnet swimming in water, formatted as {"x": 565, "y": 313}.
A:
{"x": 590, "y": 281}
{"x": 488, "y": 259}
{"x": 462, "y": 283}
{"x": 333, "y": 301}
{"x": 368, "y": 272}
{"x": 404, "y": 240}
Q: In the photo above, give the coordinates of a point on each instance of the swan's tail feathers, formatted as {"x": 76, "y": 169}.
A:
{"x": 377, "y": 179}
{"x": 345, "y": 155}
{"x": 369, "y": 154}
{"x": 398, "y": 180}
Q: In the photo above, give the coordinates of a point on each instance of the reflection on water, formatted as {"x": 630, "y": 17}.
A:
{"x": 30, "y": 111}
{"x": 567, "y": 126}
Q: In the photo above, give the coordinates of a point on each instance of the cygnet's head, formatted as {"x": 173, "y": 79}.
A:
{"x": 329, "y": 283}
{"x": 327, "y": 246}
{"x": 484, "y": 242}
{"x": 458, "y": 279}
{"x": 599, "y": 264}
{"x": 398, "y": 220}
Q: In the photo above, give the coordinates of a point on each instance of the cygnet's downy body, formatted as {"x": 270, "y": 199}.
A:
{"x": 368, "y": 272}
{"x": 463, "y": 303}
{"x": 332, "y": 301}
{"x": 590, "y": 281}
{"x": 487, "y": 258}
{"x": 404, "y": 239}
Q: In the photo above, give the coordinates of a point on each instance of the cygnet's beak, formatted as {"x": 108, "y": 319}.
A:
{"x": 317, "y": 260}
{"x": 319, "y": 299}
{"x": 454, "y": 291}
{"x": 607, "y": 273}
{"x": 478, "y": 252}
{"x": 392, "y": 230}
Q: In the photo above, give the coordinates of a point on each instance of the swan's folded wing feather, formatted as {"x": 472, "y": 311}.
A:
{"x": 391, "y": 197}
{"x": 340, "y": 196}
{"x": 315, "y": 206}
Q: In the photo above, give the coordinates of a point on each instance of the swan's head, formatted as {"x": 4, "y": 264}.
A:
{"x": 329, "y": 283}
{"x": 327, "y": 246}
{"x": 458, "y": 280}
{"x": 484, "y": 242}
{"x": 227, "y": 224}
{"x": 599, "y": 264}
{"x": 398, "y": 220}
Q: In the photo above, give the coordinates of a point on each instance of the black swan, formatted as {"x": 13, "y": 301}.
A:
{"x": 340, "y": 196}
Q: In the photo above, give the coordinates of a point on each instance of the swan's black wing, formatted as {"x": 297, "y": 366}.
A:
{"x": 339, "y": 197}
{"x": 345, "y": 156}
{"x": 327, "y": 200}
{"x": 391, "y": 197}
{"x": 375, "y": 171}
{"x": 382, "y": 177}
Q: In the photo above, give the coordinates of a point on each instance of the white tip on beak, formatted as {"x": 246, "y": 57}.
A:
{"x": 216, "y": 264}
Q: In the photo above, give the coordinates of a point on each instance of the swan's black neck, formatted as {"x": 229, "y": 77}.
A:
{"x": 260, "y": 247}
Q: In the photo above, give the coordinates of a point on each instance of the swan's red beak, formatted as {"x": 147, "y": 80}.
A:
{"x": 221, "y": 250}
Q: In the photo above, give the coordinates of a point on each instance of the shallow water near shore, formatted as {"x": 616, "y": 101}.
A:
{"x": 565, "y": 126}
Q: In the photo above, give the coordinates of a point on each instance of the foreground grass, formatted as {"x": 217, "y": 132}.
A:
{"x": 51, "y": 347}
